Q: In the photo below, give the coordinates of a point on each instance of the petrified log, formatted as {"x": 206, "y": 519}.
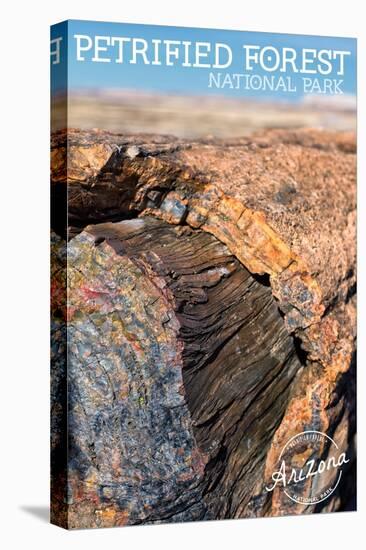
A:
{"x": 207, "y": 331}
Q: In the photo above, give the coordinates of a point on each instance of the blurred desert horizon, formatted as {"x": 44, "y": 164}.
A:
{"x": 192, "y": 116}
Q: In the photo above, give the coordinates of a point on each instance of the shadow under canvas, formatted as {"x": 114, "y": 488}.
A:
{"x": 40, "y": 512}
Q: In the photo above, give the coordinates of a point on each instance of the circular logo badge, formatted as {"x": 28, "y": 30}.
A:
{"x": 310, "y": 468}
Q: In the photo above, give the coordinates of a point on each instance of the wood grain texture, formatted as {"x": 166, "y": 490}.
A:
{"x": 179, "y": 370}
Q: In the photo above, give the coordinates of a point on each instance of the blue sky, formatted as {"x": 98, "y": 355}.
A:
{"x": 177, "y": 79}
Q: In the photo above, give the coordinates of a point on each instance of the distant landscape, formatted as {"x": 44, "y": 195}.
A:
{"x": 196, "y": 116}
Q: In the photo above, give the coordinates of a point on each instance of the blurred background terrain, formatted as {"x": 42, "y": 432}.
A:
{"x": 196, "y": 116}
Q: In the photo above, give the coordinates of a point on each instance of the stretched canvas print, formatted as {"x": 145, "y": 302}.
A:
{"x": 203, "y": 187}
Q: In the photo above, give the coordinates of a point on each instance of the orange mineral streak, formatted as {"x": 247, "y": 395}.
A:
{"x": 86, "y": 162}
{"x": 249, "y": 237}
{"x": 79, "y": 163}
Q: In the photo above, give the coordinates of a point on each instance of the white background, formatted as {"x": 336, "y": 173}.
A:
{"x": 24, "y": 286}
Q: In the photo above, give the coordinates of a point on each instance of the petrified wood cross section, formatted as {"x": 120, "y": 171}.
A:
{"x": 207, "y": 327}
{"x": 179, "y": 371}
